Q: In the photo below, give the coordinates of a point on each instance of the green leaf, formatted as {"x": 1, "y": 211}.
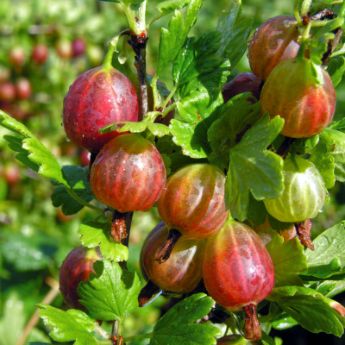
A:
{"x": 173, "y": 38}
{"x": 199, "y": 74}
{"x": 310, "y": 309}
{"x": 30, "y": 150}
{"x": 179, "y": 325}
{"x": 335, "y": 142}
{"x": 331, "y": 288}
{"x": 337, "y": 69}
{"x": 12, "y": 321}
{"x": 69, "y": 326}
{"x": 95, "y": 235}
{"x": 232, "y": 119}
{"x": 288, "y": 259}
{"x": 77, "y": 179}
{"x": 112, "y": 294}
{"x": 158, "y": 129}
{"x": 235, "y": 31}
{"x": 328, "y": 258}
{"x": 185, "y": 137}
{"x": 253, "y": 168}
{"x": 168, "y": 6}
{"x": 25, "y": 253}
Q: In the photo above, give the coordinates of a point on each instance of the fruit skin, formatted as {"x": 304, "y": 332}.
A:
{"x": 237, "y": 268}
{"x": 181, "y": 273}
{"x": 303, "y": 195}
{"x": 193, "y": 201}
{"x": 23, "y": 89}
{"x": 243, "y": 82}
{"x": 97, "y": 98}
{"x": 17, "y": 56}
{"x": 274, "y": 41}
{"x": 40, "y": 53}
{"x": 128, "y": 174}
{"x": 78, "y": 47}
{"x": 7, "y": 91}
{"x": 77, "y": 267}
{"x": 289, "y": 92}
{"x": 64, "y": 49}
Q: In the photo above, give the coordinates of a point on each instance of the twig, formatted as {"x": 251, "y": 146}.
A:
{"x": 138, "y": 43}
{"x": 49, "y": 298}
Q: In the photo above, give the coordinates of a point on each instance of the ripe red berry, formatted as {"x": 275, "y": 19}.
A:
{"x": 244, "y": 82}
{"x": 274, "y": 41}
{"x": 7, "y": 92}
{"x": 238, "y": 271}
{"x": 11, "y": 173}
{"x": 23, "y": 88}
{"x": 303, "y": 195}
{"x": 77, "y": 267}
{"x": 78, "y": 47}
{"x": 193, "y": 201}
{"x": 181, "y": 273}
{"x": 307, "y": 107}
{"x": 40, "y": 53}
{"x": 17, "y": 56}
{"x": 128, "y": 174}
{"x": 97, "y": 98}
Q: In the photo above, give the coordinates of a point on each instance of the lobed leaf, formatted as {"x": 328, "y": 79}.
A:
{"x": 69, "y": 326}
{"x": 95, "y": 235}
{"x": 179, "y": 325}
{"x": 112, "y": 293}
{"x": 30, "y": 151}
{"x": 288, "y": 259}
{"x": 253, "y": 168}
{"x": 310, "y": 309}
{"x": 328, "y": 258}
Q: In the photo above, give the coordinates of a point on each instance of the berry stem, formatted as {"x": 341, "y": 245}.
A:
{"x": 120, "y": 226}
{"x": 138, "y": 43}
{"x": 163, "y": 253}
{"x": 304, "y": 233}
{"x": 252, "y": 329}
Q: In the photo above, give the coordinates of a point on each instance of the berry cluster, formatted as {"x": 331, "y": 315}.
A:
{"x": 198, "y": 240}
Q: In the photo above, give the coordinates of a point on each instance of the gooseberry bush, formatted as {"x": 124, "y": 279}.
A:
{"x": 236, "y": 164}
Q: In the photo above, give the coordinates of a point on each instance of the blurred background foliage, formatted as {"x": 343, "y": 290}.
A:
{"x": 35, "y": 237}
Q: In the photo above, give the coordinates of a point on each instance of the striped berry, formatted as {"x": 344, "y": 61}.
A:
{"x": 181, "y": 273}
{"x": 128, "y": 174}
{"x": 306, "y": 106}
{"x": 77, "y": 267}
{"x": 193, "y": 201}
{"x": 238, "y": 271}
{"x": 303, "y": 195}
{"x": 99, "y": 97}
{"x": 274, "y": 41}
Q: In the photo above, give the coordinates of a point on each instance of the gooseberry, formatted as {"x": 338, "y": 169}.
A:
{"x": 128, "y": 174}
{"x": 97, "y": 98}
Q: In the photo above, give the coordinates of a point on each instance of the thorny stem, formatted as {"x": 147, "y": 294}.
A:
{"x": 138, "y": 43}
{"x": 49, "y": 298}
